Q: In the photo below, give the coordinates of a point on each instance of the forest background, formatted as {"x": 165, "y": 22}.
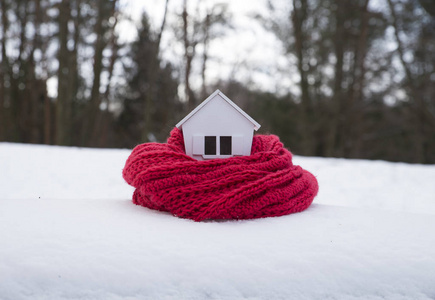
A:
{"x": 347, "y": 78}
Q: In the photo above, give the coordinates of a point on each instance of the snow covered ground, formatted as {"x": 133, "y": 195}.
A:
{"x": 68, "y": 230}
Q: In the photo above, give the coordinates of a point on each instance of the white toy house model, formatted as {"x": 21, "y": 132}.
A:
{"x": 217, "y": 128}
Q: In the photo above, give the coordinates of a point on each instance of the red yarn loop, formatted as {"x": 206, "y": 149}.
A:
{"x": 264, "y": 184}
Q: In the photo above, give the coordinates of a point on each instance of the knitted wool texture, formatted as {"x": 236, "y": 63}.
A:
{"x": 264, "y": 184}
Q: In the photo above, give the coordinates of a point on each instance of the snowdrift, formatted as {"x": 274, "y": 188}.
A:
{"x": 68, "y": 230}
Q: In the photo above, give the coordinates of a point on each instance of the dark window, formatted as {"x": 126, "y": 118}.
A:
{"x": 210, "y": 145}
{"x": 225, "y": 145}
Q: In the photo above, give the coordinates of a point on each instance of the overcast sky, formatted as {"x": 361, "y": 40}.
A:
{"x": 247, "y": 53}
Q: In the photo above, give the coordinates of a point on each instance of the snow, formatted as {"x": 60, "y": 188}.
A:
{"x": 68, "y": 230}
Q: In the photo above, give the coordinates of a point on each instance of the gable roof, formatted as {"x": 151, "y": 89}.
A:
{"x": 209, "y": 98}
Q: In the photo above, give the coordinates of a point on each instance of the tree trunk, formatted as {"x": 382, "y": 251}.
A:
{"x": 102, "y": 141}
{"x": 35, "y": 85}
{"x": 332, "y": 148}
{"x": 189, "y": 52}
{"x": 63, "y": 75}
{"x": 299, "y": 15}
{"x": 356, "y": 99}
{"x": 95, "y": 117}
{"x": 4, "y": 71}
{"x": 205, "y": 55}
{"x": 19, "y": 103}
{"x": 153, "y": 75}
{"x": 47, "y": 121}
{"x": 73, "y": 83}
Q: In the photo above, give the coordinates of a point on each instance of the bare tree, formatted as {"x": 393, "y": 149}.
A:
{"x": 298, "y": 17}
{"x": 94, "y": 117}
{"x": 114, "y": 47}
{"x": 216, "y": 15}
{"x": 153, "y": 72}
{"x": 190, "y": 42}
{"x": 102, "y": 28}
{"x": 198, "y": 29}
{"x": 356, "y": 96}
{"x": 336, "y": 106}
{"x": 422, "y": 116}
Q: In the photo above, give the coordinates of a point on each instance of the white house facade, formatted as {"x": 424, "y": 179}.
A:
{"x": 217, "y": 128}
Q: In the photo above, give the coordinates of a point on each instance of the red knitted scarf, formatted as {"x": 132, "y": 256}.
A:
{"x": 264, "y": 184}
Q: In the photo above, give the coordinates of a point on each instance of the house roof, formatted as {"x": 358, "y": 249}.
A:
{"x": 204, "y": 103}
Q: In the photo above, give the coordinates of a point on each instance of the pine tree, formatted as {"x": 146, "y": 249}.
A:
{"x": 147, "y": 83}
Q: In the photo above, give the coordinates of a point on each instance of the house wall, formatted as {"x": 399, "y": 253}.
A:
{"x": 218, "y": 118}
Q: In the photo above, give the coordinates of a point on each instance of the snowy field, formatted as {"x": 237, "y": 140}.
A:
{"x": 68, "y": 230}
